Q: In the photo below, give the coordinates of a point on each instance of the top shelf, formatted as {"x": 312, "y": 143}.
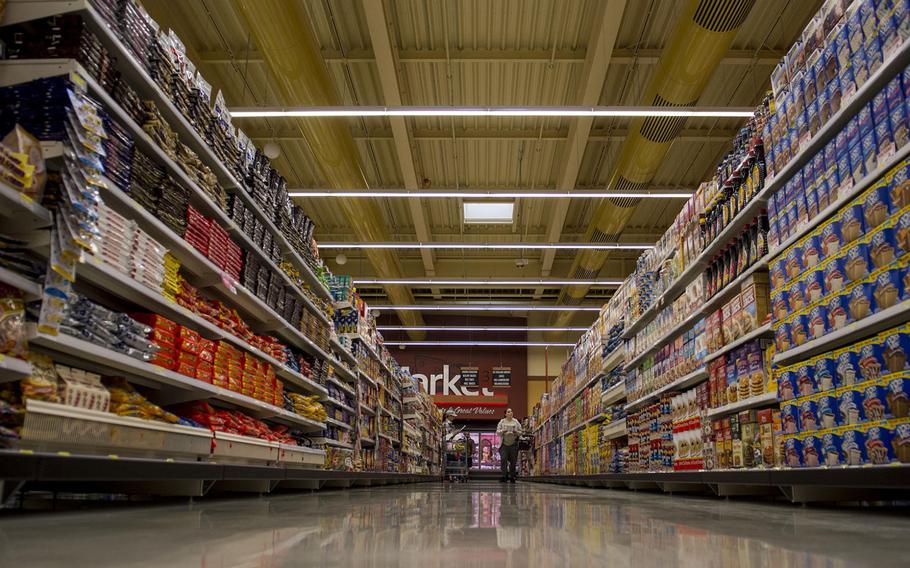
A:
{"x": 19, "y": 213}
{"x": 18, "y": 11}
{"x": 828, "y": 132}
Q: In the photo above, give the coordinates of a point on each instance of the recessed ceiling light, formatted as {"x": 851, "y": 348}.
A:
{"x": 488, "y": 213}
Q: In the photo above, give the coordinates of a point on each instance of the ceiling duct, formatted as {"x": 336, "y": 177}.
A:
{"x": 697, "y": 45}
{"x": 282, "y": 32}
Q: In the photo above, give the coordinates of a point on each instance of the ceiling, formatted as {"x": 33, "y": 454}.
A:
{"x": 486, "y": 52}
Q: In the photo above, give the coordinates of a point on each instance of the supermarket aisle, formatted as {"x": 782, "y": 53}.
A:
{"x": 477, "y": 524}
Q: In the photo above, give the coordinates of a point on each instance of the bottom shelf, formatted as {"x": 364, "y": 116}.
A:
{"x": 798, "y": 485}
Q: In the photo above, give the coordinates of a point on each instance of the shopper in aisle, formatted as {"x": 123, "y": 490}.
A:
{"x": 508, "y": 429}
{"x": 469, "y": 448}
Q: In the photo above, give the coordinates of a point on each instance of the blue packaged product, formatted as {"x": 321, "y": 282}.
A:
{"x": 853, "y": 131}
{"x": 796, "y": 298}
{"x": 878, "y": 446}
{"x": 850, "y": 407}
{"x": 855, "y": 31}
{"x": 870, "y": 159}
{"x": 835, "y": 95}
{"x": 831, "y": 449}
{"x": 830, "y": 154}
{"x": 825, "y": 373}
{"x": 902, "y": 229}
{"x": 877, "y": 205}
{"x": 831, "y": 239}
{"x": 822, "y": 105}
{"x": 865, "y": 125}
{"x": 899, "y": 129}
{"x": 901, "y": 15}
{"x": 780, "y": 305}
{"x": 847, "y": 368}
{"x": 835, "y": 277}
{"x": 814, "y": 286}
{"x": 888, "y": 36}
{"x": 844, "y": 172}
{"x": 818, "y": 321}
{"x": 899, "y": 183}
{"x": 861, "y": 301}
{"x": 857, "y": 163}
{"x": 852, "y": 445}
{"x": 802, "y": 132}
{"x": 782, "y": 336}
{"x": 883, "y": 249}
{"x": 793, "y": 452}
{"x": 866, "y": 10}
{"x": 786, "y": 385}
{"x": 789, "y": 417}
{"x": 898, "y": 397}
{"x": 812, "y": 450}
{"x": 873, "y": 51}
{"x": 900, "y": 441}
{"x": 857, "y": 264}
{"x": 826, "y": 406}
{"x": 884, "y": 139}
{"x": 895, "y": 346}
{"x": 808, "y": 415}
{"x": 794, "y": 264}
{"x": 852, "y": 222}
{"x": 832, "y": 183}
{"x": 838, "y": 310}
{"x": 799, "y": 328}
{"x": 869, "y": 359}
{"x": 847, "y": 81}
{"x": 880, "y": 108}
{"x": 889, "y": 289}
{"x": 805, "y": 379}
{"x": 779, "y": 272}
{"x": 875, "y": 403}
{"x": 822, "y": 194}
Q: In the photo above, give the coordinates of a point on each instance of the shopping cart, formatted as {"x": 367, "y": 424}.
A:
{"x": 456, "y": 461}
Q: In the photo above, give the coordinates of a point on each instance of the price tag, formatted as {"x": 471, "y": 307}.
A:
{"x": 64, "y": 454}
{"x": 78, "y": 80}
{"x": 228, "y": 282}
{"x": 26, "y": 199}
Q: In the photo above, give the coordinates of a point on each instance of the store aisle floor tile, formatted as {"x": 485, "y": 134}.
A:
{"x": 476, "y": 524}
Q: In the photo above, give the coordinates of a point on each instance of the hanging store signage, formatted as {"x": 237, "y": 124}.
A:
{"x": 470, "y": 377}
{"x": 502, "y": 376}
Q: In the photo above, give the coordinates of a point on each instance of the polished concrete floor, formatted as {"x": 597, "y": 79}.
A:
{"x": 469, "y": 525}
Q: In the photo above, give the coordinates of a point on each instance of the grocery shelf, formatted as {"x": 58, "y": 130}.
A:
{"x": 23, "y": 70}
{"x": 614, "y": 394}
{"x": 713, "y": 303}
{"x": 766, "y": 399}
{"x": 172, "y": 387}
{"x": 31, "y": 290}
{"x": 849, "y": 108}
{"x": 613, "y": 360}
{"x": 391, "y": 394}
{"x": 689, "y": 380}
{"x": 758, "y": 333}
{"x": 577, "y": 427}
{"x": 799, "y": 485}
{"x": 387, "y": 412}
{"x": 345, "y": 354}
{"x": 331, "y": 442}
{"x": 339, "y": 423}
{"x": 339, "y": 404}
{"x": 13, "y": 369}
{"x": 828, "y": 131}
{"x": 366, "y": 409}
{"x": 389, "y": 438}
{"x": 410, "y": 400}
{"x": 109, "y": 279}
{"x": 410, "y": 416}
{"x": 366, "y": 377}
{"x": 671, "y": 334}
{"x": 18, "y": 212}
{"x": 852, "y": 333}
{"x": 139, "y": 79}
{"x": 843, "y": 199}
{"x": 613, "y": 430}
{"x": 368, "y": 441}
{"x": 343, "y": 386}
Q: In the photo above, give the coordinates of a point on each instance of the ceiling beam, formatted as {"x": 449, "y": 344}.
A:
{"x": 768, "y": 57}
{"x": 693, "y": 135}
{"x": 597, "y": 61}
{"x": 378, "y": 25}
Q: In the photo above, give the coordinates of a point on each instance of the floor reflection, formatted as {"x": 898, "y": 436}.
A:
{"x": 435, "y": 525}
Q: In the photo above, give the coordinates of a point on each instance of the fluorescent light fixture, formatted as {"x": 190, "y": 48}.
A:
{"x": 489, "y": 213}
{"x": 482, "y": 282}
{"x": 561, "y": 111}
{"x": 486, "y": 308}
{"x": 484, "y": 246}
{"x": 475, "y": 328}
{"x": 477, "y": 344}
{"x": 493, "y": 194}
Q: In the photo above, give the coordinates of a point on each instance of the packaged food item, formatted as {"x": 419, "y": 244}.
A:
{"x": 850, "y": 407}
{"x": 812, "y": 450}
{"x": 851, "y": 222}
{"x": 808, "y": 415}
{"x": 817, "y": 321}
{"x": 847, "y": 368}
{"x": 831, "y": 238}
{"x": 878, "y": 445}
{"x": 814, "y": 286}
{"x": 789, "y": 412}
{"x": 900, "y": 441}
{"x": 826, "y": 407}
{"x": 835, "y": 276}
{"x": 831, "y": 449}
{"x": 898, "y": 397}
{"x": 860, "y": 302}
{"x": 875, "y": 403}
{"x": 853, "y": 445}
{"x": 793, "y": 452}
{"x": 786, "y": 384}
